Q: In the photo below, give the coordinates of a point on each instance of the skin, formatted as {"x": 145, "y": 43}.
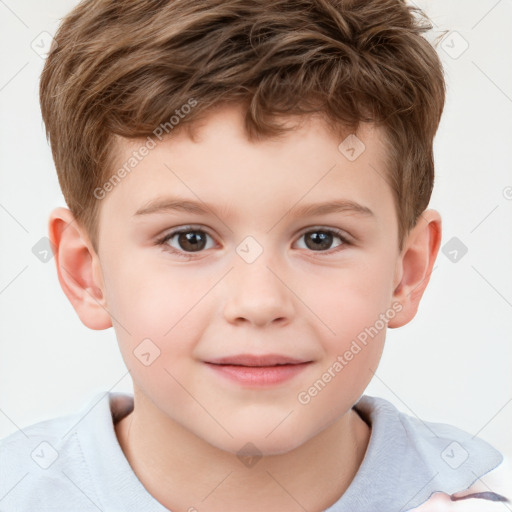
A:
{"x": 189, "y": 422}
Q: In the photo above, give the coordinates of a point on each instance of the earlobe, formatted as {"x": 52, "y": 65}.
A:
{"x": 415, "y": 265}
{"x": 78, "y": 269}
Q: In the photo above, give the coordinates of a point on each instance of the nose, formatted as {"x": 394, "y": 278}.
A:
{"x": 257, "y": 294}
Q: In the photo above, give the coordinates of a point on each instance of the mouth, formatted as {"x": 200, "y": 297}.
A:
{"x": 258, "y": 370}
{"x": 257, "y": 360}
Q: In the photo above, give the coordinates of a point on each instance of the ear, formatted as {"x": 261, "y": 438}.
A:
{"x": 78, "y": 269}
{"x": 415, "y": 266}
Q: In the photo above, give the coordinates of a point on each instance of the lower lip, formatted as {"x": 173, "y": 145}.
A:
{"x": 259, "y": 375}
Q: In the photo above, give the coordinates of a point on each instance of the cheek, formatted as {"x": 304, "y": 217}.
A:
{"x": 353, "y": 301}
{"x": 356, "y": 307}
{"x": 158, "y": 321}
{"x": 150, "y": 298}
{"x": 148, "y": 303}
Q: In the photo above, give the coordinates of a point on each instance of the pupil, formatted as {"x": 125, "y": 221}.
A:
{"x": 191, "y": 240}
{"x": 321, "y": 239}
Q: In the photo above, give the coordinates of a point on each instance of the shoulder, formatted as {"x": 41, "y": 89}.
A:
{"x": 43, "y": 466}
{"x": 432, "y": 462}
{"x": 35, "y": 445}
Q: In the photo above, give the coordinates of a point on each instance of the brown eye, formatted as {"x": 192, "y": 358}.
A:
{"x": 192, "y": 241}
{"x": 321, "y": 240}
{"x": 185, "y": 241}
{"x": 318, "y": 240}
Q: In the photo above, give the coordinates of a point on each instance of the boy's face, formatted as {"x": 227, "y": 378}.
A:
{"x": 254, "y": 276}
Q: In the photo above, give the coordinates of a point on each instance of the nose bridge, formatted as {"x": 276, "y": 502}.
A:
{"x": 256, "y": 291}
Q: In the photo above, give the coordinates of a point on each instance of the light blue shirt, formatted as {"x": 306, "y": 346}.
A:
{"x": 74, "y": 463}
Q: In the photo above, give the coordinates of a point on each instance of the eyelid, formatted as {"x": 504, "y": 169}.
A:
{"x": 183, "y": 229}
{"x": 192, "y": 227}
{"x": 337, "y": 231}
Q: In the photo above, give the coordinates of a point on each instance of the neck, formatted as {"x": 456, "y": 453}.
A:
{"x": 183, "y": 472}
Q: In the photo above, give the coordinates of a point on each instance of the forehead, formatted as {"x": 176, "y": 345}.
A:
{"x": 219, "y": 164}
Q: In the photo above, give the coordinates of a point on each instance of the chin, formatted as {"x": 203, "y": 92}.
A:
{"x": 254, "y": 441}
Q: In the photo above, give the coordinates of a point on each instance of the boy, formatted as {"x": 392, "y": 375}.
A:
{"x": 247, "y": 184}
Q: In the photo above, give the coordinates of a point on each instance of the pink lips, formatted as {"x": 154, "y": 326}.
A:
{"x": 258, "y": 370}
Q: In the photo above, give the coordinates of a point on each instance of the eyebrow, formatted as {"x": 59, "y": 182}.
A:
{"x": 170, "y": 204}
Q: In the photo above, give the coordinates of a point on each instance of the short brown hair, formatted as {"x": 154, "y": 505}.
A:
{"x": 123, "y": 67}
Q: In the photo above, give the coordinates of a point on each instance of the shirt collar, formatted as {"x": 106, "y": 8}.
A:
{"x": 406, "y": 461}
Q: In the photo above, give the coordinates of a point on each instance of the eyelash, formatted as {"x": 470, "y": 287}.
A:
{"x": 190, "y": 255}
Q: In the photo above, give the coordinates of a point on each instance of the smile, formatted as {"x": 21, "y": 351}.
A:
{"x": 258, "y": 371}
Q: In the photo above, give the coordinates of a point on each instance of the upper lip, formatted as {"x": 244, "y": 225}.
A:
{"x": 257, "y": 360}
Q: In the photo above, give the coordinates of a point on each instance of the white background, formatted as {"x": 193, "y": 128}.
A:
{"x": 451, "y": 364}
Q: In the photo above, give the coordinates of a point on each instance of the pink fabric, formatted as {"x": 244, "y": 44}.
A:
{"x": 483, "y": 496}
